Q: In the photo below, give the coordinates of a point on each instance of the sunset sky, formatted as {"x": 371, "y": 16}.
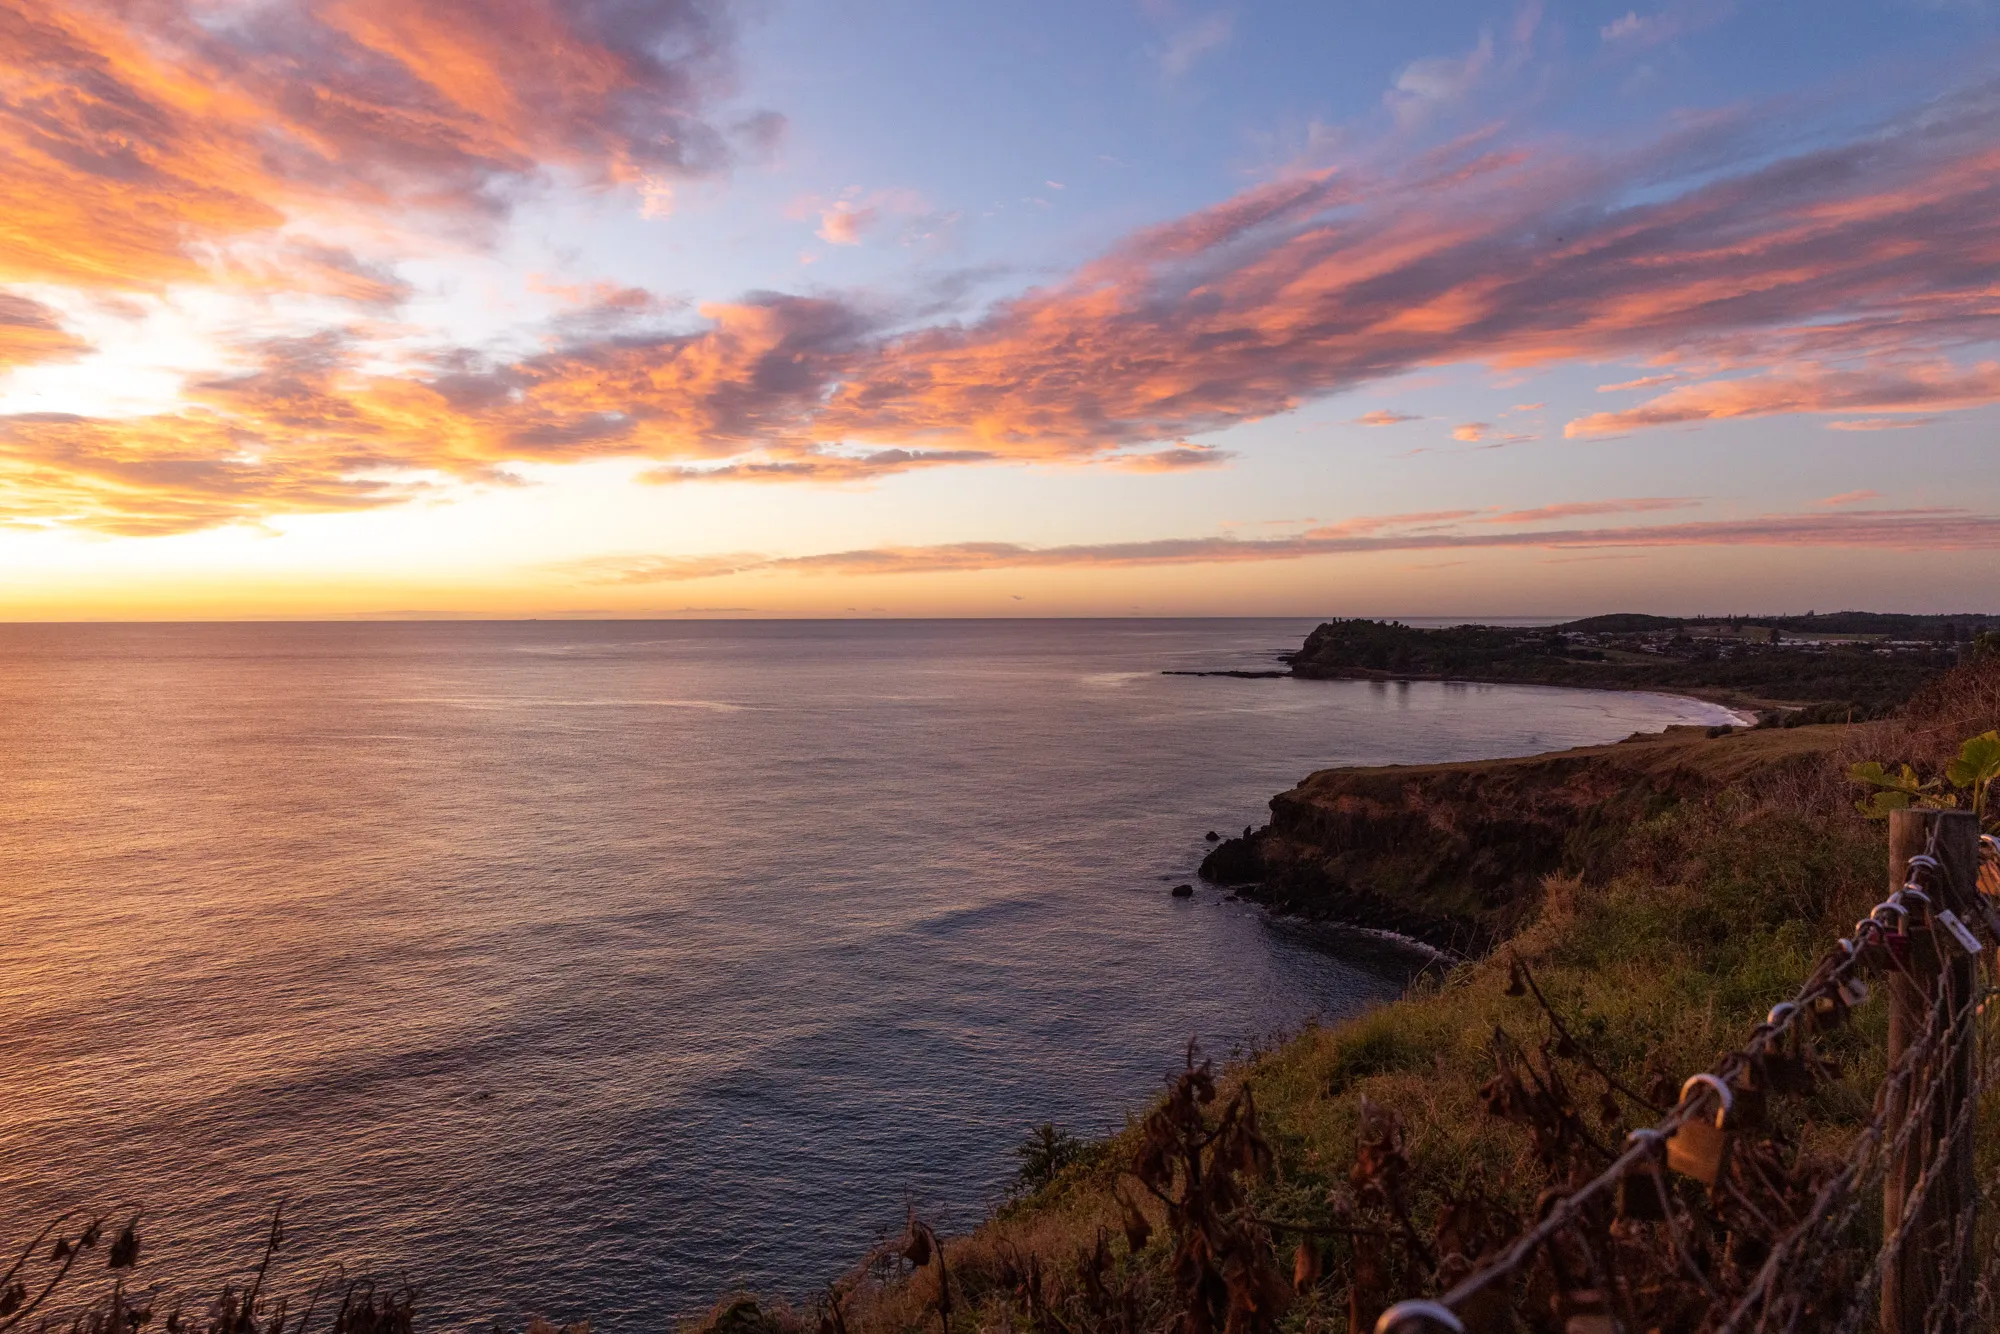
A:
{"x": 907, "y": 307}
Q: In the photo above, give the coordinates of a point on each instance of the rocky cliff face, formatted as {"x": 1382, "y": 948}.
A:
{"x": 1455, "y": 854}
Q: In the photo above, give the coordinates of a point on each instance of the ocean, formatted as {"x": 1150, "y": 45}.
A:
{"x": 598, "y": 968}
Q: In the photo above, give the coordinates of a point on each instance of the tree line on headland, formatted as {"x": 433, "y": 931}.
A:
{"x": 1841, "y": 667}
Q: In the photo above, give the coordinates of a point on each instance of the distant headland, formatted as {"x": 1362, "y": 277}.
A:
{"x": 1847, "y": 666}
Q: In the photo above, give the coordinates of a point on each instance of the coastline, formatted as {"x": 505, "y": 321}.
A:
{"x": 1639, "y": 929}
{"x": 1748, "y": 708}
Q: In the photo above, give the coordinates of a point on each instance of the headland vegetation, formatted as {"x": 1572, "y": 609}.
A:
{"x": 1791, "y": 670}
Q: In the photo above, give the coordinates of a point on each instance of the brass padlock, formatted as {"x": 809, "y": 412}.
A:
{"x": 1700, "y": 1148}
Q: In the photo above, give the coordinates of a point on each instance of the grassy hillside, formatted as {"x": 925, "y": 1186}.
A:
{"x": 1452, "y": 854}
{"x": 1708, "y": 907}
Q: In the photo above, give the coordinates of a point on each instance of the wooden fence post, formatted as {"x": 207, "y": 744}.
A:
{"x": 1938, "y": 971}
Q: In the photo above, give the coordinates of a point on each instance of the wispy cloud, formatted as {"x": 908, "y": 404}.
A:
{"x": 1182, "y": 457}
{"x": 1849, "y": 498}
{"x": 1423, "y": 88}
{"x": 1384, "y": 417}
{"x": 1809, "y": 388}
{"x": 1580, "y": 509}
{"x": 1882, "y": 423}
{"x": 1189, "y": 42}
{"x": 1910, "y": 529}
{"x": 1636, "y": 31}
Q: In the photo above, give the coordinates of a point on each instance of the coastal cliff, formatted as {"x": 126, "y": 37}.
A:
{"x": 1455, "y": 855}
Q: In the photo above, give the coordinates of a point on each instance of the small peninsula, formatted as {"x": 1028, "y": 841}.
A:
{"x": 1837, "y": 667}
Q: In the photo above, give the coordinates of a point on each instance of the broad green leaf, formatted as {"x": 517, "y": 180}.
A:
{"x": 1877, "y": 805}
{"x": 1873, "y": 774}
{"x": 1978, "y": 762}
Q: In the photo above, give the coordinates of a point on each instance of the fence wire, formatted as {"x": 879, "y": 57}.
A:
{"x": 1818, "y": 1273}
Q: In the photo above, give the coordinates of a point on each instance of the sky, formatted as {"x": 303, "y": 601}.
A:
{"x": 350, "y": 308}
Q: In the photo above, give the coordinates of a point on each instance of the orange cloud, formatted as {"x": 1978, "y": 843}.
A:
{"x": 1383, "y": 417}
{"x": 151, "y": 477}
{"x": 133, "y": 137}
{"x": 30, "y": 331}
{"x": 1471, "y": 432}
{"x": 1849, "y": 498}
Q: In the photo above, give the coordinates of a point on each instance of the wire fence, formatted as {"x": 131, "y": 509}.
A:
{"x": 1886, "y": 1236}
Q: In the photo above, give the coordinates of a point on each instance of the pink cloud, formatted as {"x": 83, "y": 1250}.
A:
{"x": 844, "y": 223}
{"x": 1808, "y": 389}
{"x": 1182, "y": 457}
{"x": 1849, "y": 498}
{"x": 1882, "y": 423}
{"x": 1906, "y": 530}
{"x": 1643, "y": 382}
{"x": 1384, "y": 417}
{"x": 1471, "y": 431}
{"x": 1586, "y": 508}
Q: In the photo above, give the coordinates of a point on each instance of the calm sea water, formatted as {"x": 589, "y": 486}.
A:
{"x": 593, "y": 969}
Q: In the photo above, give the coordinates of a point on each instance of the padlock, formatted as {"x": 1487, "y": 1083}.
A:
{"x": 1639, "y": 1196}
{"x": 1697, "y": 1150}
{"x": 1700, "y": 1147}
{"x": 1959, "y": 932}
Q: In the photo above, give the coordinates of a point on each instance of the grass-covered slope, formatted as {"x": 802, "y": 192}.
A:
{"x": 1708, "y": 902}
{"x": 1451, "y": 854}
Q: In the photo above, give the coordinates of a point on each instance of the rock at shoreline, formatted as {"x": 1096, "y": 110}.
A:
{"x": 1235, "y": 861}
{"x": 1183, "y": 891}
